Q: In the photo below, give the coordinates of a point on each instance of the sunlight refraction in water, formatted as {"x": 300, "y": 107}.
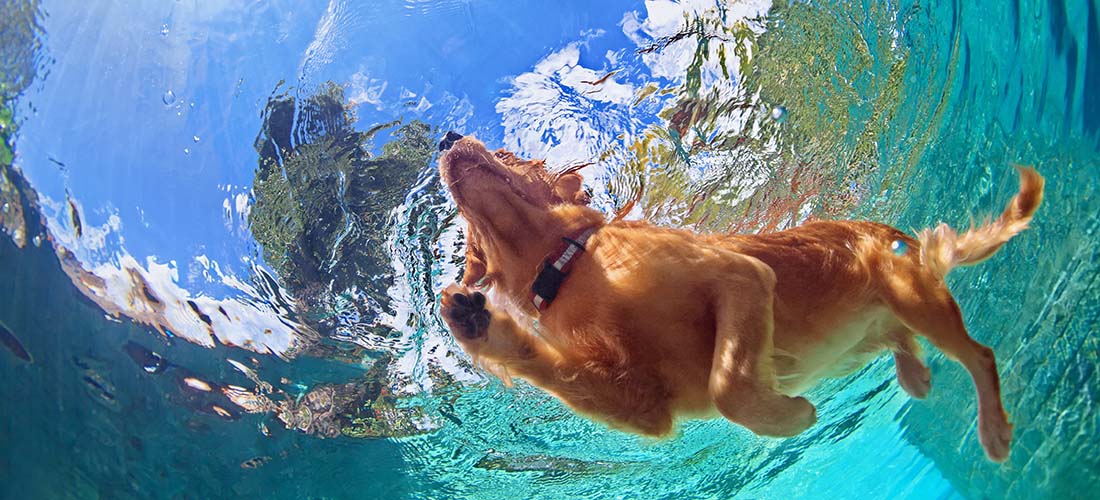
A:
{"x": 226, "y": 235}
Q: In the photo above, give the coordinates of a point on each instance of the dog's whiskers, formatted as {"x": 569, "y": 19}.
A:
{"x": 570, "y": 170}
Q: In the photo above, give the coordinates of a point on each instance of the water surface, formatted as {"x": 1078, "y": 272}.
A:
{"x": 242, "y": 197}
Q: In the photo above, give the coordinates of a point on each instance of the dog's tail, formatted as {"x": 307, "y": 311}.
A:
{"x": 942, "y": 249}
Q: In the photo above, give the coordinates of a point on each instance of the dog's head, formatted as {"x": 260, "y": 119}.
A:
{"x": 505, "y": 199}
{"x": 471, "y": 172}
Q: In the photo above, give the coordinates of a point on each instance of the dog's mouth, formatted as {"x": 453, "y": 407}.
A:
{"x": 465, "y": 156}
{"x": 468, "y": 159}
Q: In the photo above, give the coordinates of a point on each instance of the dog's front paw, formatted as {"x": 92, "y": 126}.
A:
{"x": 791, "y": 416}
{"x": 465, "y": 313}
{"x": 913, "y": 375}
{"x": 802, "y": 416}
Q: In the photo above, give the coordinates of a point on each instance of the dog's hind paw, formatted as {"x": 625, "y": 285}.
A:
{"x": 995, "y": 434}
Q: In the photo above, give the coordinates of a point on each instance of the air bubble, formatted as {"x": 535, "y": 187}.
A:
{"x": 168, "y": 98}
{"x": 186, "y": 151}
{"x": 899, "y": 247}
{"x": 779, "y": 113}
{"x": 164, "y": 29}
{"x": 196, "y": 138}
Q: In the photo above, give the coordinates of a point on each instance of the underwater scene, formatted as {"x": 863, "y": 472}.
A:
{"x": 226, "y": 237}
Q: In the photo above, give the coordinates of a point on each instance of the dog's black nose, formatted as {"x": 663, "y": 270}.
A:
{"x": 448, "y": 141}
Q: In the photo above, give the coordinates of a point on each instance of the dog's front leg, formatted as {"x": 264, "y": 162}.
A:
{"x": 494, "y": 338}
{"x": 594, "y": 382}
{"x": 742, "y": 382}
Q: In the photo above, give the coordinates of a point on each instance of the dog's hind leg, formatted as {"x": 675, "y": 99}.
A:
{"x": 913, "y": 375}
{"x": 743, "y": 382}
{"x": 926, "y": 306}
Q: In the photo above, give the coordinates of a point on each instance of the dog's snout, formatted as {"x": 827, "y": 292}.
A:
{"x": 449, "y": 140}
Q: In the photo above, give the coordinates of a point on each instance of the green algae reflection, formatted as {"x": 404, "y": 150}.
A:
{"x": 323, "y": 200}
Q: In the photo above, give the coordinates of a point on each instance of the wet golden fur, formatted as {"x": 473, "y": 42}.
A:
{"x": 655, "y": 324}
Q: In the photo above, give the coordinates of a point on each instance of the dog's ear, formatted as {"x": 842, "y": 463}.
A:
{"x": 569, "y": 188}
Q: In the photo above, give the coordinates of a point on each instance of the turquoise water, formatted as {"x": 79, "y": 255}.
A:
{"x": 148, "y": 121}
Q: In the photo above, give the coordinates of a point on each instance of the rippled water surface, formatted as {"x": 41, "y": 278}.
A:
{"x": 225, "y": 235}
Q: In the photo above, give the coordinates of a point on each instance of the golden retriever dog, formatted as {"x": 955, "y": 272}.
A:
{"x": 639, "y": 325}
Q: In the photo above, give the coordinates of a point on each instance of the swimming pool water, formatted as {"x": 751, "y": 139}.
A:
{"x": 254, "y": 182}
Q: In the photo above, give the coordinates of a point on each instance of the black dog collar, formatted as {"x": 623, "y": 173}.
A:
{"x": 556, "y": 268}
